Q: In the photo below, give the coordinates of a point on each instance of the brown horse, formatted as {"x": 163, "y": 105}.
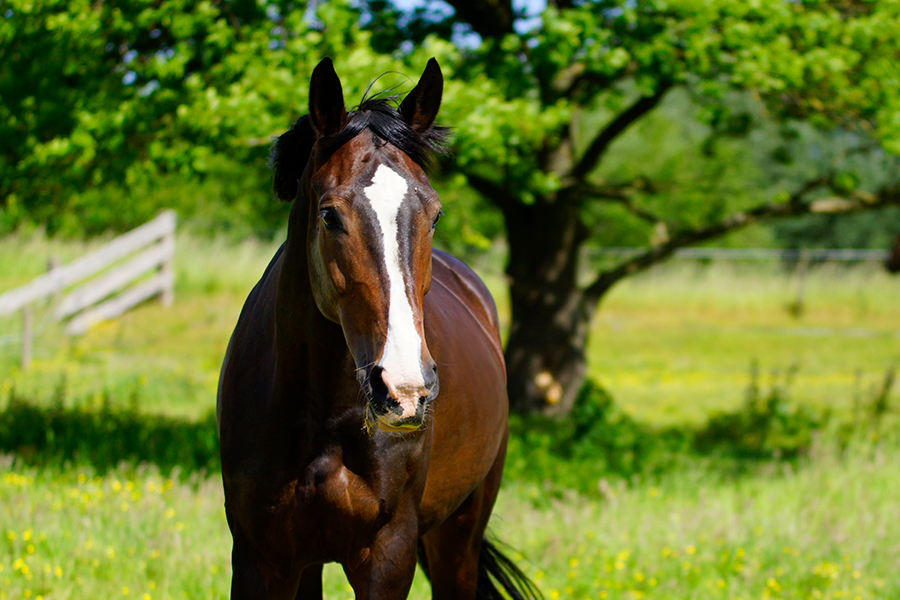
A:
{"x": 335, "y": 445}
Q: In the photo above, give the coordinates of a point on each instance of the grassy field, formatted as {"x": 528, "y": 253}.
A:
{"x": 672, "y": 346}
{"x": 829, "y": 530}
{"x": 677, "y": 343}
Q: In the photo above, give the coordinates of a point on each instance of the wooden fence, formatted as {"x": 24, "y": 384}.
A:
{"x": 96, "y": 300}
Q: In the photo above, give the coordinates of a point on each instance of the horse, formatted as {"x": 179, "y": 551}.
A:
{"x": 362, "y": 404}
{"x": 892, "y": 264}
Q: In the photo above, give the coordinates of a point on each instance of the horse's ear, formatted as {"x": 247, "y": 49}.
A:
{"x": 326, "y": 100}
{"x": 420, "y": 107}
{"x": 290, "y": 153}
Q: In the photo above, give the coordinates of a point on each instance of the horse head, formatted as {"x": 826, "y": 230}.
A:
{"x": 369, "y": 227}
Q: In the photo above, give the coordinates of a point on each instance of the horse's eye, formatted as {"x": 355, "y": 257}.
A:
{"x": 330, "y": 219}
{"x": 437, "y": 218}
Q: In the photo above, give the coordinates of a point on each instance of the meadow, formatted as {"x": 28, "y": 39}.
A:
{"x": 673, "y": 348}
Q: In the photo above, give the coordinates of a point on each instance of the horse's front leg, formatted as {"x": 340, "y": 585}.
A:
{"x": 385, "y": 570}
{"x": 310, "y": 587}
{"x": 255, "y": 577}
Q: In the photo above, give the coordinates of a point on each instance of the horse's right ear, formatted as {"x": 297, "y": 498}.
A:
{"x": 420, "y": 107}
{"x": 326, "y": 100}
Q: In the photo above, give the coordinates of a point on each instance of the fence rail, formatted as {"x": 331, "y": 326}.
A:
{"x": 93, "y": 301}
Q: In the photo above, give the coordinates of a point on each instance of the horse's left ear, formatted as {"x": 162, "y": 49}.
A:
{"x": 326, "y": 100}
{"x": 420, "y": 107}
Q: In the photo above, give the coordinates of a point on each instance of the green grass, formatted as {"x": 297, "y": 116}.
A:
{"x": 828, "y": 530}
{"x": 671, "y": 346}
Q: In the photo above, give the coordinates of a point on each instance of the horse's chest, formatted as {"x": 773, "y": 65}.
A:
{"x": 324, "y": 515}
{"x": 345, "y": 494}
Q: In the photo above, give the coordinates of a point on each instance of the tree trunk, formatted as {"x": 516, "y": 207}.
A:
{"x": 545, "y": 354}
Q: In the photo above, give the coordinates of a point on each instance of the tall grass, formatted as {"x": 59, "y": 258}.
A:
{"x": 828, "y": 530}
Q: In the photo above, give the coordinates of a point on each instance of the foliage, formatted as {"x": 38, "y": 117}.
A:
{"x": 596, "y": 441}
{"x": 661, "y": 123}
{"x": 560, "y": 80}
{"x": 128, "y": 108}
{"x": 113, "y": 110}
{"x": 875, "y": 230}
{"x": 98, "y": 120}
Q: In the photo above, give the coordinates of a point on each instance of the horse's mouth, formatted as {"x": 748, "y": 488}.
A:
{"x": 384, "y": 423}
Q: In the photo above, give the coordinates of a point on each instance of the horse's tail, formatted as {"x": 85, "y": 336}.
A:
{"x": 496, "y": 569}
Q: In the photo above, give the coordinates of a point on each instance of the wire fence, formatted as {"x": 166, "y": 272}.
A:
{"x": 813, "y": 254}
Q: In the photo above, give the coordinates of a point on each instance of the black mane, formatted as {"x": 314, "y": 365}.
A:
{"x": 291, "y": 150}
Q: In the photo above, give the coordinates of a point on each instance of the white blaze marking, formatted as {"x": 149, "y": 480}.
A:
{"x": 403, "y": 347}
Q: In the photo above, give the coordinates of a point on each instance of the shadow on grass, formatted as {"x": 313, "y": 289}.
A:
{"x": 596, "y": 441}
{"x": 106, "y": 437}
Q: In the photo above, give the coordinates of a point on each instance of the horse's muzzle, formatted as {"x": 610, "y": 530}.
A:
{"x": 397, "y": 408}
{"x": 391, "y": 421}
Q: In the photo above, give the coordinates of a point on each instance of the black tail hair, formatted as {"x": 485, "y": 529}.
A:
{"x": 495, "y": 568}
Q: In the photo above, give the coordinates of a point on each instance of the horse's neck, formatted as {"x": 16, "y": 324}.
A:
{"x": 311, "y": 353}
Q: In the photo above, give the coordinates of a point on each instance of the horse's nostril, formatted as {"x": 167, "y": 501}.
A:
{"x": 376, "y": 383}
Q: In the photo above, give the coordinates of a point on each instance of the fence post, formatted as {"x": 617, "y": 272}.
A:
{"x": 797, "y": 307}
{"x": 26, "y": 336}
{"x": 54, "y": 263}
{"x": 167, "y": 297}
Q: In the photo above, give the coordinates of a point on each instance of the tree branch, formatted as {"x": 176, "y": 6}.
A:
{"x": 621, "y": 194}
{"x": 795, "y": 205}
{"x": 570, "y": 80}
{"x": 601, "y": 143}
{"x": 493, "y": 192}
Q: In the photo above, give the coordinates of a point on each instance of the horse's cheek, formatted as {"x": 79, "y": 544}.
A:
{"x": 337, "y": 277}
{"x": 324, "y": 288}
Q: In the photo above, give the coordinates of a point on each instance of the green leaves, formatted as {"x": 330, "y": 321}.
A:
{"x": 125, "y": 94}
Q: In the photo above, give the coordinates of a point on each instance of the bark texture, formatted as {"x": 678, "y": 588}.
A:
{"x": 545, "y": 353}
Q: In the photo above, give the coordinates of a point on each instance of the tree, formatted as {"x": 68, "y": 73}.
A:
{"x": 102, "y": 119}
{"x": 667, "y": 122}
{"x": 526, "y": 144}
